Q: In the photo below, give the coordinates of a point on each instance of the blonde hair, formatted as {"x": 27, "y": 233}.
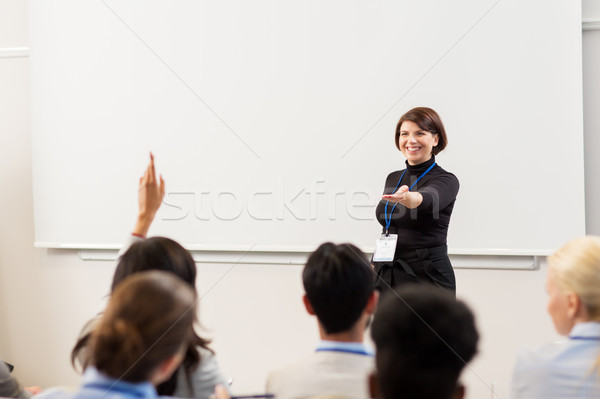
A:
{"x": 576, "y": 267}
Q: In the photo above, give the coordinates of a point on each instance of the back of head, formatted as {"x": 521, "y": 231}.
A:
{"x": 156, "y": 253}
{"x": 149, "y": 318}
{"x": 424, "y": 337}
{"x": 338, "y": 282}
{"x": 576, "y": 268}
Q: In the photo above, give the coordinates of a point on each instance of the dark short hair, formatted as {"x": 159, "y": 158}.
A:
{"x": 428, "y": 120}
{"x": 338, "y": 281}
{"x": 156, "y": 253}
{"x": 424, "y": 337}
{"x": 149, "y": 318}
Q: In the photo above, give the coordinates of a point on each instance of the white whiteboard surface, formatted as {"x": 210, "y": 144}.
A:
{"x": 273, "y": 122}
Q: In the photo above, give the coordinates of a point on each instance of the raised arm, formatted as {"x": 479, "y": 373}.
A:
{"x": 150, "y": 195}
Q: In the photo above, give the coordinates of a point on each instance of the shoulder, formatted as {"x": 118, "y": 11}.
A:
{"x": 539, "y": 356}
{"x": 393, "y": 178}
{"x": 441, "y": 172}
{"x": 320, "y": 363}
{"x": 56, "y": 393}
{"x": 395, "y": 174}
{"x": 536, "y": 370}
{"x": 203, "y": 378}
{"x": 577, "y": 355}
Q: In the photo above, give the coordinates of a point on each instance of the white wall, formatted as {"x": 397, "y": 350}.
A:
{"x": 252, "y": 311}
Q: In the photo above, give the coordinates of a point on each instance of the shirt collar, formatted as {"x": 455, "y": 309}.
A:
{"x": 94, "y": 379}
{"x": 588, "y": 329}
{"x": 420, "y": 167}
{"x": 351, "y": 347}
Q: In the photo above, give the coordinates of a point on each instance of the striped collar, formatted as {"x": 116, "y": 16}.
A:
{"x": 357, "y": 348}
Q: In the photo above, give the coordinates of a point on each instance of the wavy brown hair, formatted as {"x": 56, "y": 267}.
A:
{"x": 149, "y": 318}
{"x": 155, "y": 253}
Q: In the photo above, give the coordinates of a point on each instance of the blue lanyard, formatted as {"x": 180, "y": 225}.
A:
{"x": 353, "y": 351}
{"x": 388, "y": 221}
{"x": 586, "y": 338}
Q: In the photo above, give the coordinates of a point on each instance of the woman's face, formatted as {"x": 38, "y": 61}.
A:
{"x": 558, "y": 305}
{"x": 415, "y": 143}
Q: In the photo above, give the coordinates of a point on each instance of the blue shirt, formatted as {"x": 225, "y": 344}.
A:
{"x": 564, "y": 369}
{"x": 97, "y": 385}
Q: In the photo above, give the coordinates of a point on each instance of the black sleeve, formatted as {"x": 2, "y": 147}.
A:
{"x": 439, "y": 193}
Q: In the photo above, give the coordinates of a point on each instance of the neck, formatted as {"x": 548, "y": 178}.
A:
{"x": 429, "y": 160}
{"x": 354, "y": 334}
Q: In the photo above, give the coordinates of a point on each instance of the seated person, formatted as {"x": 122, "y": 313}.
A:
{"x": 570, "y": 368}
{"x": 423, "y": 339}
{"x": 10, "y": 387}
{"x": 198, "y": 374}
{"x": 340, "y": 291}
{"x": 140, "y": 340}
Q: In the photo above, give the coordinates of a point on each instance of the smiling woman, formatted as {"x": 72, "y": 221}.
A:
{"x": 415, "y": 208}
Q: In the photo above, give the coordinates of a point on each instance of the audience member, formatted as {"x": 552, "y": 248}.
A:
{"x": 10, "y": 387}
{"x": 570, "y": 368}
{"x": 340, "y": 291}
{"x": 140, "y": 340}
{"x": 198, "y": 374}
{"x": 423, "y": 339}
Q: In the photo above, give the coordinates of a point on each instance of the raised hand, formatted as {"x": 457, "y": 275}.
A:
{"x": 150, "y": 195}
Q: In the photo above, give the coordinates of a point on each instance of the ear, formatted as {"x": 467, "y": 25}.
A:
{"x": 460, "y": 392}
{"x": 373, "y": 384}
{"x": 574, "y": 305}
{"x": 308, "y": 306}
{"x": 436, "y": 139}
{"x": 165, "y": 369}
{"x": 372, "y": 302}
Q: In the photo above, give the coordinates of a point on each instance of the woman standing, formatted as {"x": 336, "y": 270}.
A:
{"x": 416, "y": 206}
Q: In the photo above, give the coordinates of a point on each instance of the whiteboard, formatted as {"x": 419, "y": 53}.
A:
{"x": 273, "y": 122}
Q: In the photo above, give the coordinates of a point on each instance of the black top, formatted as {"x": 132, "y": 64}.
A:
{"x": 426, "y": 225}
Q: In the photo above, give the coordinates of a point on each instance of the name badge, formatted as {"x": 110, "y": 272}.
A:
{"x": 385, "y": 248}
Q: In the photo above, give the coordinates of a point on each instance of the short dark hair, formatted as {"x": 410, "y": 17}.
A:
{"x": 338, "y": 281}
{"x": 424, "y": 337}
{"x": 149, "y": 318}
{"x": 428, "y": 120}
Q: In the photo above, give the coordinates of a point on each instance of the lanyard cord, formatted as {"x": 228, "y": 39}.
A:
{"x": 353, "y": 351}
{"x": 388, "y": 221}
{"x": 586, "y": 338}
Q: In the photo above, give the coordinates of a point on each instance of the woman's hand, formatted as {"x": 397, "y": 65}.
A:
{"x": 33, "y": 390}
{"x": 404, "y": 197}
{"x": 150, "y": 195}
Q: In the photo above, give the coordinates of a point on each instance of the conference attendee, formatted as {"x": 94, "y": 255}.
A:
{"x": 340, "y": 292}
{"x": 423, "y": 340}
{"x": 416, "y": 206}
{"x": 199, "y": 373}
{"x": 10, "y": 387}
{"x": 140, "y": 340}
{"x": 570, "y": 368}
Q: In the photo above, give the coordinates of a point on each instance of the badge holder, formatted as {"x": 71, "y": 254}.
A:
{"x": 385, "y": 248}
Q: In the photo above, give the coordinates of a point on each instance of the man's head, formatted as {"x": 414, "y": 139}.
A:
{"x": 424, "y": 337}
{"x": 339, "y": 283}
